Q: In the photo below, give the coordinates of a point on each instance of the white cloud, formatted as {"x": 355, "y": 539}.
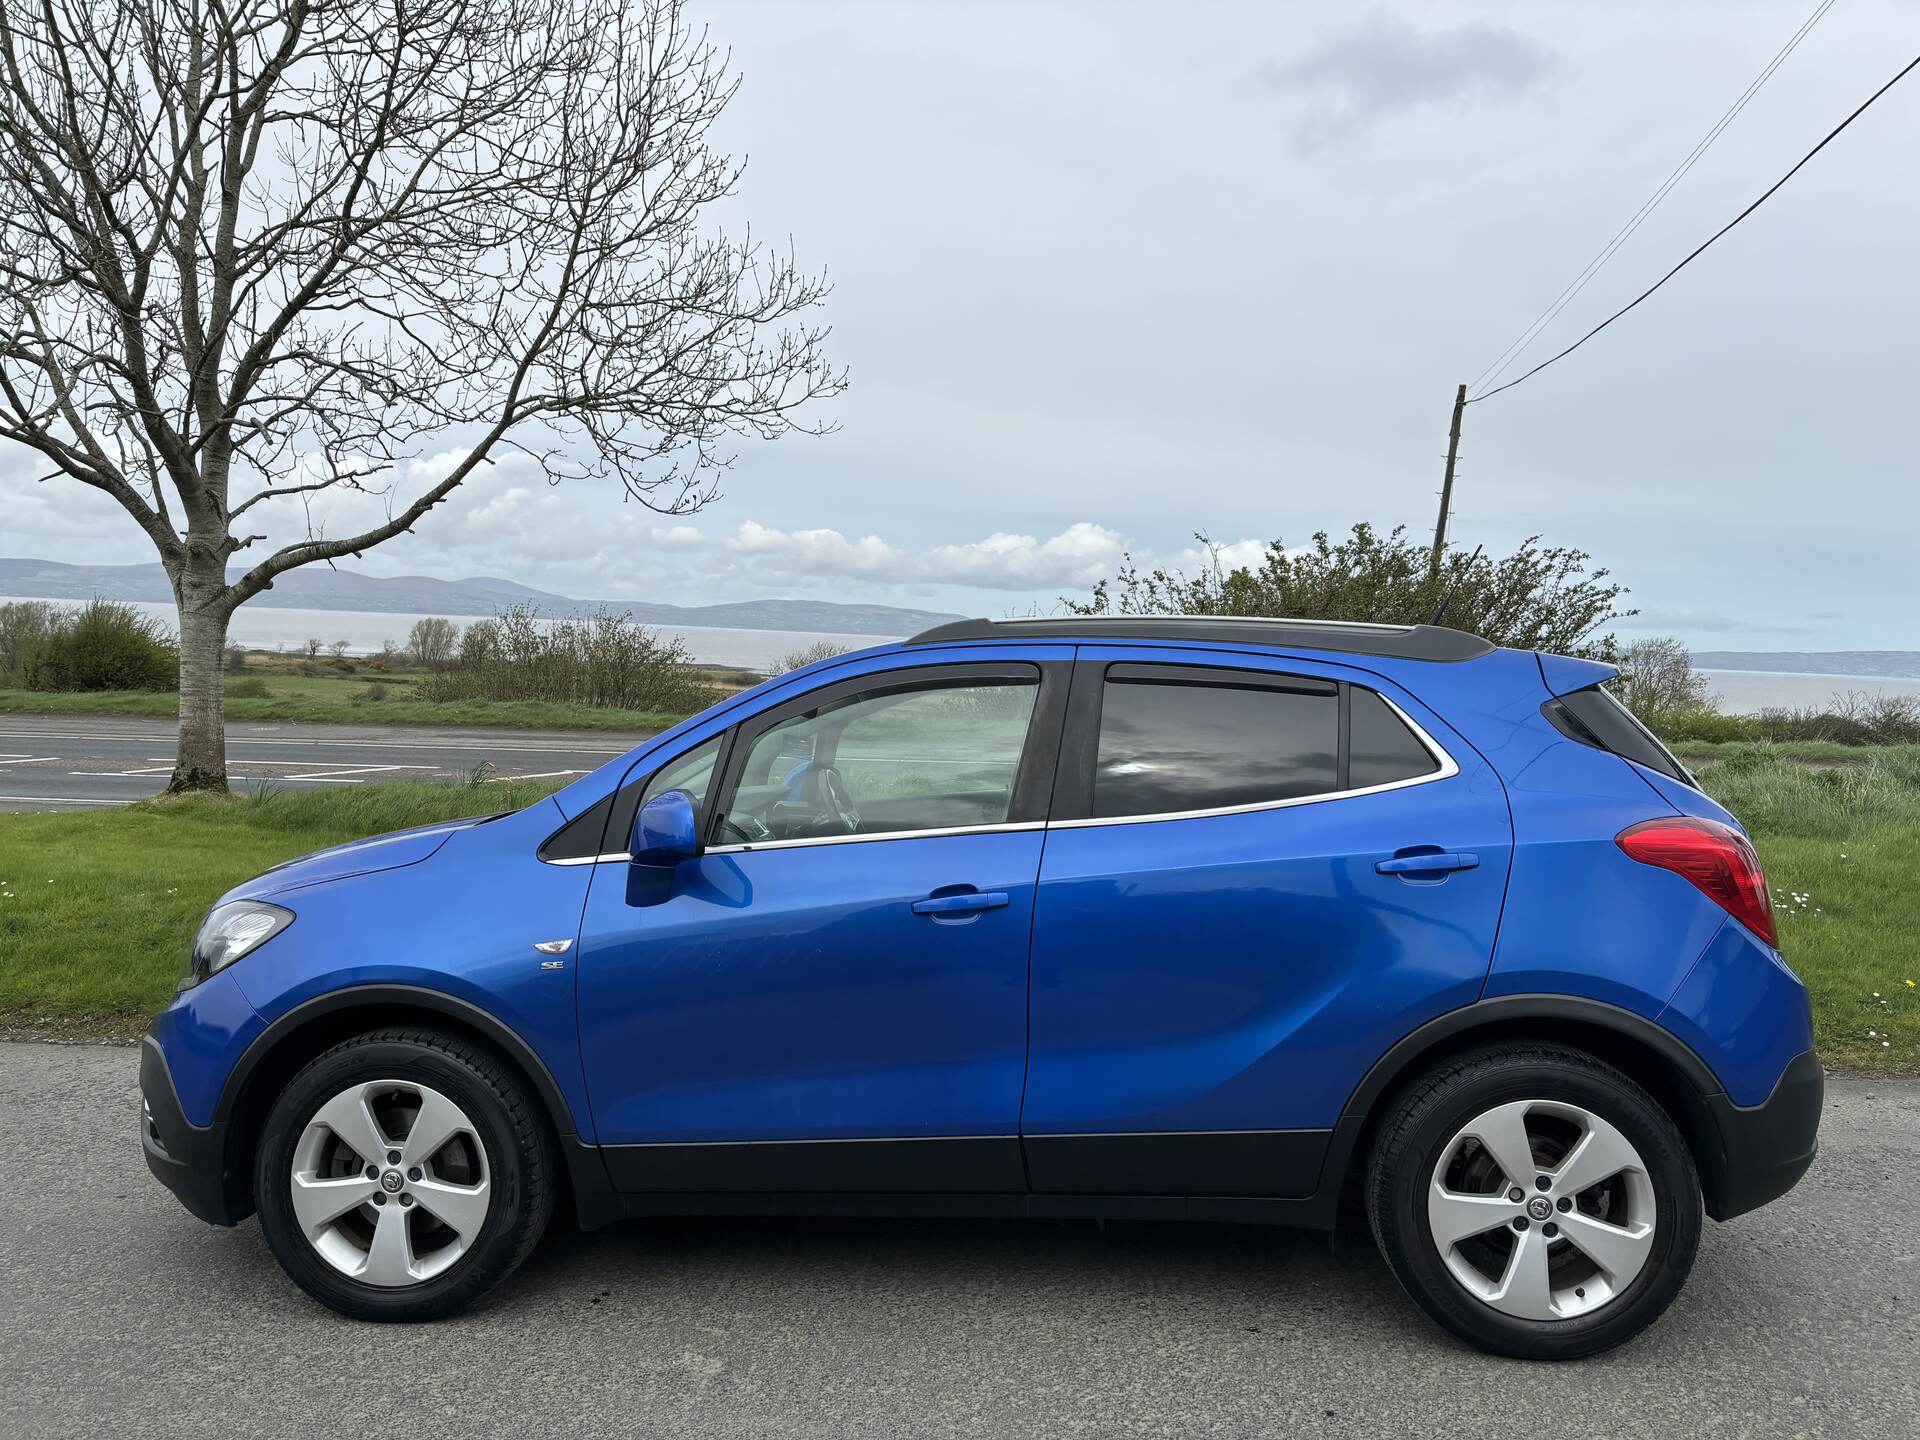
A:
{"x": 1078, "y": 555}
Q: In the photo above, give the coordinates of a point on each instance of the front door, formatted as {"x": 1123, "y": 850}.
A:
{"x": 1260, "y": 874}
{"x": 834, "y": 995}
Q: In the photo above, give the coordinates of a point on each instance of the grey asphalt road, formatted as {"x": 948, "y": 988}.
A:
{"x": 122, "y": 1315}
{"x": 80, "y": 762}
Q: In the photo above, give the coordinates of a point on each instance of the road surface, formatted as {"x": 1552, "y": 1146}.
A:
{"x": 80, "y": 762}
{"x": 121, "y": 1315}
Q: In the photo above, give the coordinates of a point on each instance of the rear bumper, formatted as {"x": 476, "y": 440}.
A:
{"x": 1765, "y": 1148}
{"x": 190, "y": 1160}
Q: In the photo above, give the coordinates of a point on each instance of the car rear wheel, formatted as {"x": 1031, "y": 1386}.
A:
{"x": 1535, "y": 1201}
{"x": 404, "y": 1173}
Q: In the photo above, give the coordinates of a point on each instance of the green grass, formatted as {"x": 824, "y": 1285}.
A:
{"x": 1815, "y": 752}
{"x": 327, "y": 700}
{"x": 98, "y": 910}
{"x": 1842, "y": 847}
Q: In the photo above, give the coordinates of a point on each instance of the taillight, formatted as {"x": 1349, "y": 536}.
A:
{"x": 1718, "y": 859}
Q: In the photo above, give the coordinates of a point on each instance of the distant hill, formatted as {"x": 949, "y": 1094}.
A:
{"x": 1880, "y": 664}
{"x": 316, "y": 588}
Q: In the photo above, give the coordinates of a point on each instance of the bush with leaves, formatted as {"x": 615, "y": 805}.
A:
{"x": 603, "y": 659}
{"x": 1540, "y": 597}
{"x": 103, "y": 645}
{"x": 24, "y": 624}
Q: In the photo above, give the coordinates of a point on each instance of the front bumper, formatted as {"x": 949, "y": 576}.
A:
{"x": 190, "y": 1160}
{"x": 1765, "y": 1148}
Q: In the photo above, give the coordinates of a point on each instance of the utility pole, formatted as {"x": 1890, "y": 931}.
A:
{"x": 1446, "y": 486}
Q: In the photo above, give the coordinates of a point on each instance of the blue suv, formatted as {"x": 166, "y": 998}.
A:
{"x": 1232, "y": 920}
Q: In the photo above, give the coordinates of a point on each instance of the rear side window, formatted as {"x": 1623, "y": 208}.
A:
{"x": 1169, "y": 744}
{"x": 1593, "y": 717}
{"x": 1380, "y": 748}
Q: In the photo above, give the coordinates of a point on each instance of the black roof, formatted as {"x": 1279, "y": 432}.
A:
{"x": 1398, "y": 642}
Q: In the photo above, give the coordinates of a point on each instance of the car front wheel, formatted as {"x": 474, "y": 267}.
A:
{"x": 404, "y": 1173}
{"x": 1535, "y": 1201}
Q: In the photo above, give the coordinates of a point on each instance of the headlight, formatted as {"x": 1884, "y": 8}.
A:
{"x": 230, "y": 931}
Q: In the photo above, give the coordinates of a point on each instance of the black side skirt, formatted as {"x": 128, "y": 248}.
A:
{"x": 1261, "y": 1177}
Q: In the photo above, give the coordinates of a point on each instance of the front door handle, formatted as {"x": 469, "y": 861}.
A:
{"x": 1432, "y": 863}
{"x": 966, "y": 902}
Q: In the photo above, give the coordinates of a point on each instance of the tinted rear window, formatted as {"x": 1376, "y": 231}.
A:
{"x": 1593, "y": 717}
{"x": 1168, "y": 745}
{"x": 1380, "y": 747}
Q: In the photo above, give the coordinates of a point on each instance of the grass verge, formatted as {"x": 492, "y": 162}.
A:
{"x": 301, "y": 703}
{"x": 1841, "y": 845}
{"x": 97, "y": 910}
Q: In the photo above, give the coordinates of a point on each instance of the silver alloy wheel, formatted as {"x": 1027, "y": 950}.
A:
{"x": 1542, "y": 1209}
{"x": 390, "y": 1182}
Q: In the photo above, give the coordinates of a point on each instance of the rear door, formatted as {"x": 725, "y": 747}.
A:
{"x": 1259, "y": 875}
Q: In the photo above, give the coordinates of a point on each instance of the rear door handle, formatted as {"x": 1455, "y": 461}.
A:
{"x": 966, "y": 902}
{"x": 1430, "y": 864}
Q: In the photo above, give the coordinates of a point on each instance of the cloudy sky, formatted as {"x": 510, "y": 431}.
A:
{"x": 1107, "y": 275}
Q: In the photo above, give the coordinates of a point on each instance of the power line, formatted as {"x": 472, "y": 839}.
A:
{"x": 1905, "y": 71}
{"x": 1546, "y": 317}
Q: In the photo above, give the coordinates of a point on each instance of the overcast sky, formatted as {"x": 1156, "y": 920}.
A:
{"x": 1106, "y": 275}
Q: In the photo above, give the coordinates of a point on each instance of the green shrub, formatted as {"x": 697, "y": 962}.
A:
{"x": 375, "y": 693}
{"x": 604, "y": 659}
{"x": 1541, "y": 597}
{"x": 1707, "y": 725}
{"x": 252, "y": 688}
{"x": 103, "y": 645}
{"x": 24, "y": 624}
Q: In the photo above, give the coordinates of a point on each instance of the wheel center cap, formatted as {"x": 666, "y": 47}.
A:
{"x": 391, "y": 1181}
{"x": 1540, "y": 1208}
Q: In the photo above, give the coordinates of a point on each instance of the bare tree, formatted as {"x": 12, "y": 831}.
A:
{"x": 1657, "y": 679}
{"x": 431, "y": 641}
{"x": 256, "y": 254}
{"x": 805, "y": 655}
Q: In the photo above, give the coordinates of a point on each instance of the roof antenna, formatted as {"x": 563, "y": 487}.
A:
{"x": 1447, "y": 599}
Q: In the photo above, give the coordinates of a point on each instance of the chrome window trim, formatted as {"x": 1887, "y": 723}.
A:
{"x": 1005, "y": 828}
{"x": 1449, "y": 767}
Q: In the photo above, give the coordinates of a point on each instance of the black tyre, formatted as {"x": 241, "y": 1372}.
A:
{"x": 1535, "y": 1201}
{"x": 404, "y": 1173}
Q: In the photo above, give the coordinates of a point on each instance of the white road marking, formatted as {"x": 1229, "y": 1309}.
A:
{"x": 166, "y": 769}
{"x": 356, "y": 770}
{"x": 537, "y": 775}
{"x": 55, "y": 800}
{"x": 29, "y": 760}
{"x": 339, "y": 743}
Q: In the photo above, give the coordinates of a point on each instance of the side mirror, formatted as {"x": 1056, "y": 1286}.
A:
{"x": 665, "y": 832}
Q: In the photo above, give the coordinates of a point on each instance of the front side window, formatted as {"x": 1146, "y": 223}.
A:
{"x": 691, "y": 772}
{"x": 897, "y": 759}
{"x": 1168, "y": 745}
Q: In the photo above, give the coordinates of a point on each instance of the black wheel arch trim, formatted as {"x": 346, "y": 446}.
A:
{"x": 1745, "y": 1155}
{"x": 417, "y": 997}
{"x": 1502, "y": 1009}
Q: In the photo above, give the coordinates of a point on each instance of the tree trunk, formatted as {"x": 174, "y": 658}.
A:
{"x": 201, "y": 761}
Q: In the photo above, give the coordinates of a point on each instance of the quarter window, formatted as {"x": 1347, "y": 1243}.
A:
{"x": 1168, "y": 745}
{"x": 1380, "y": 747}
{"x": 930, "y": 757}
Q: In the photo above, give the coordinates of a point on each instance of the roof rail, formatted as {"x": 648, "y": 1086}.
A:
{"x": 1353, "y": 637}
